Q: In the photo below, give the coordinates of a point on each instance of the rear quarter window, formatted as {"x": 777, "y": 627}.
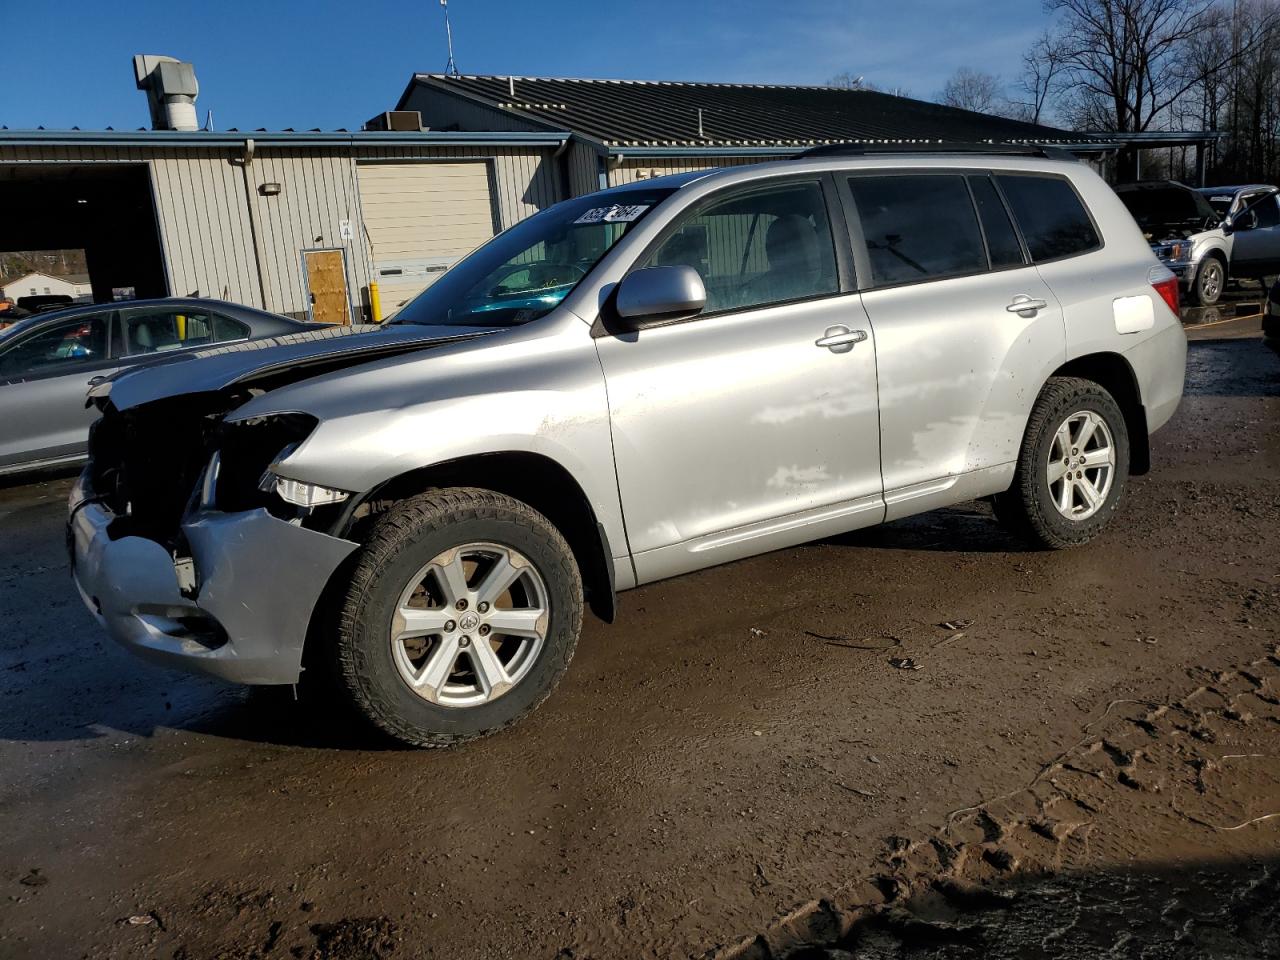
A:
{"x": 1052, "y": 217}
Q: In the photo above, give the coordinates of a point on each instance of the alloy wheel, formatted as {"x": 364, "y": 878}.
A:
{"x": 1081, "y": 466}
{"x": 470, "y": 624}
{"x": 1210, "y": 280}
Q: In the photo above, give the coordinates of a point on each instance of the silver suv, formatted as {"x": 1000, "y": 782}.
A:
{"x": 627, "y": 386}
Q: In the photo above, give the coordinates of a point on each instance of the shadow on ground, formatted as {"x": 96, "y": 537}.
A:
{"x": 1229, "y": 909}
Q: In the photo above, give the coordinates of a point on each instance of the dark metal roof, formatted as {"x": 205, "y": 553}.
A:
{"x": 635, "y": 113}
{"x": 277, "y": 138}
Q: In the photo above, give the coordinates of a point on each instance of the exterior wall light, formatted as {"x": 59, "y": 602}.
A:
{"x": 269, "y": 189}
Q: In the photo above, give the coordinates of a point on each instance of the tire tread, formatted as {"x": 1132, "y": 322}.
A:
{"x": 435, "y": 509}
{"x": 1022, "y": 509}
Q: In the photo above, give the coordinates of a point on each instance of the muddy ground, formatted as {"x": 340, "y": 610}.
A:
{"x": 735, "y": 769}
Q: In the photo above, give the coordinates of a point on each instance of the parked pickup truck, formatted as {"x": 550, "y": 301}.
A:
{"x": 1208, "y": 236}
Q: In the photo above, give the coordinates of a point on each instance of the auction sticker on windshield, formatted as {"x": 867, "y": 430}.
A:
{"x": 614, "y": 214}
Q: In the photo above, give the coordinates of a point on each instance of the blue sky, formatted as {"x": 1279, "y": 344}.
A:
{"x": 335, "y": 63}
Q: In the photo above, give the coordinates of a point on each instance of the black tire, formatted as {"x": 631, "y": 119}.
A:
{"x": 402, "y": 541}
{"x": 1027, "y": 508}
{"x": 1210, "y": 282}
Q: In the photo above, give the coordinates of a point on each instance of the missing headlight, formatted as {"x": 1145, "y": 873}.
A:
{"x": 245, "y": 451}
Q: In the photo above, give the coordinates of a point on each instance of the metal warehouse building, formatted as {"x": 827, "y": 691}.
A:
{"x": 303, "y": 223}
{"x": 296, "y": 223}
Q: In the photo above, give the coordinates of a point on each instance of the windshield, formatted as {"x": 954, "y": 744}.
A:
{"x": 525, "y": 272}
{"x": 1154, "y": 206}
{"x": 1221, "y": 203}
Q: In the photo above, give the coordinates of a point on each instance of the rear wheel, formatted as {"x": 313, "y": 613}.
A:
{"x": 1072, "y": 468}
{"x": 461, "y": 616}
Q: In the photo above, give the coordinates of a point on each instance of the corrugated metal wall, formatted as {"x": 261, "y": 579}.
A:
{"x": 209, "y": 207}
{"x": 204, "y": 223}
{"x": 584, "y": 169}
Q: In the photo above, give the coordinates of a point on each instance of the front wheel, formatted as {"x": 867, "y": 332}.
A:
{"x": 1072, "y": 468}
{"x": 460, "y": 617}
{"x": 1211, "y": 280}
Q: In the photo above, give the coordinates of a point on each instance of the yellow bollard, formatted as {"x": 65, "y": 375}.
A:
{"x": 375, "y": 302}
{"x": 182, "y": 327}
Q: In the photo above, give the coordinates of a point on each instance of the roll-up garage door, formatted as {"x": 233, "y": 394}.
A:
{"x": 422, "y": 217}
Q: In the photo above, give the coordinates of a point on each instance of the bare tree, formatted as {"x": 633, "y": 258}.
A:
{"x": 847, "y": 80}
{"x": 1041, "y": 77}
{"x": 1124, "y": 61}
{"x": 974, "y": 90}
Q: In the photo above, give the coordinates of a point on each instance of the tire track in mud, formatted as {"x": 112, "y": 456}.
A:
{"x": 1102, "y": 853}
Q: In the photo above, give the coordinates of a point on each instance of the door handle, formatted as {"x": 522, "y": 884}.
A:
{"x": 840, "y": 339}
{"x": 1025, "y": 306}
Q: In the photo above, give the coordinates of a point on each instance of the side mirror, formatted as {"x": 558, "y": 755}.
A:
{"x": 1245, "y": 220}
{"x": 657, "y": 294}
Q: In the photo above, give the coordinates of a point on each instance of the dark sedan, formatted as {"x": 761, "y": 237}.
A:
{"x": 48, "y": 361}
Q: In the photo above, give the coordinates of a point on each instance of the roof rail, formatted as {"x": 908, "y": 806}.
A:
{"x": 992, "y": 149}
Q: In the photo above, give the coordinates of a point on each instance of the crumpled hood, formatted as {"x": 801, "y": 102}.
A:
{"x": 289, "y": 358}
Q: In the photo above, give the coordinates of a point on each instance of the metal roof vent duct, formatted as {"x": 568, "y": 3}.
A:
{"x": 171, "y": 91}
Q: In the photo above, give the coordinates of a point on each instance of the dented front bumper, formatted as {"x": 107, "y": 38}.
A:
{"x": 257, "y": 580}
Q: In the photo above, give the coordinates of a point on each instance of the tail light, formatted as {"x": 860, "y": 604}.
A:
{"x": 1168, "y": 290}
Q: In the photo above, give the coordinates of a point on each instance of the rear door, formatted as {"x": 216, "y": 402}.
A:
{"x": 44, "y": 376}
{"x": 1255, "y": 245}
{"x": 964, "y": 325}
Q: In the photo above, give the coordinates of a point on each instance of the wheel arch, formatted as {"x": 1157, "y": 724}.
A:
{"x": 1113, "y": 373}
{"x": 532, "y": 478}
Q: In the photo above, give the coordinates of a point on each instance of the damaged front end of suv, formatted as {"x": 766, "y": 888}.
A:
{"x": 181, "y": 476}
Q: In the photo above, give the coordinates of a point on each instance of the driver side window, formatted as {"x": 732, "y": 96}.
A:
{"x": 1266, "y": 211}
{"x": 57, "y": 349}
{"x": 755, "y": 249}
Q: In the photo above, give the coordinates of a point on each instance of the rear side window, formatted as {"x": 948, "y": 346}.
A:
{"x": 1002, "y": 241}
{"x": 918, "y": 227}
{"x": 1053, "y": 220}
{"x": 161, "y": 330}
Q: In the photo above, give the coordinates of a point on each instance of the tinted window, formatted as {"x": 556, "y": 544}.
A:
{"x": 767, "y": 246}
{"x": 66, "y": 345}
{"x": 1053, "y": 220}
{"x": 918, "y": 228}
{"x": 1002, "y": 241}
{"x": 157, "y": 331}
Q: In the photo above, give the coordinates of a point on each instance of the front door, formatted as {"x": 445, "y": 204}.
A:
{"x": 326, "y": 277}
{"x": 734, "y": 432}
{"x": 44, "y": 376}
{"x": 966, "y": 330}
{"x": 1255, "y": 245}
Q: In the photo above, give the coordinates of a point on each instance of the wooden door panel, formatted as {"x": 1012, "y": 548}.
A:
{"x": 327, "y": 286}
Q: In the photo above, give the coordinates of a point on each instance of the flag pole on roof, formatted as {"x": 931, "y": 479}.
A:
{"x": 450, "y": 68}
